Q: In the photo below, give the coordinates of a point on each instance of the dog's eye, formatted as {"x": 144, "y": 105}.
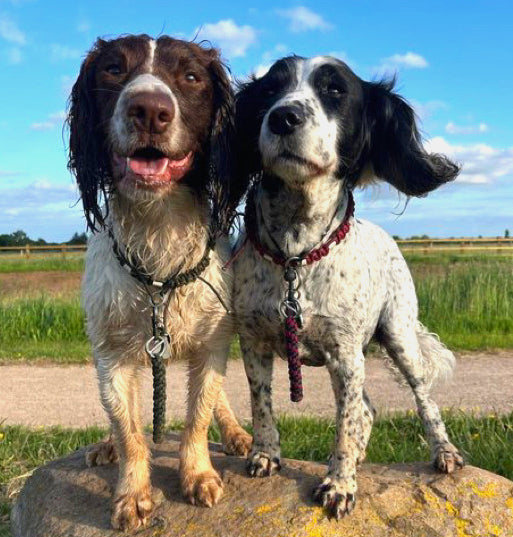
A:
{"x": 113, "y": 69}
{"x": 191, "y": 77}
{"x": 334, "y": 90}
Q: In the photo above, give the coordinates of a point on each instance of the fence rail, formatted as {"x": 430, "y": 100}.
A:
{"x": 29, "y": 250}
{"x": 426, "y": 246}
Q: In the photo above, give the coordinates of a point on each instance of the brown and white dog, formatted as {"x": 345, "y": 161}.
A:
{"x": 150, "y": 126}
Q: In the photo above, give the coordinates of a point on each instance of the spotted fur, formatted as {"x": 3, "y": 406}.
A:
{"x": 310, "y": 130}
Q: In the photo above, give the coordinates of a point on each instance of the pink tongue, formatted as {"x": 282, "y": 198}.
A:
{"x": 142, "y": 166}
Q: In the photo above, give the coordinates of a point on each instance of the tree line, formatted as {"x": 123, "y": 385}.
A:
{"x": 20, "y": 238}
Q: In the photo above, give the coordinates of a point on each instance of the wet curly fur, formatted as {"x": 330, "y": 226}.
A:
{"x": 139, "y": 101}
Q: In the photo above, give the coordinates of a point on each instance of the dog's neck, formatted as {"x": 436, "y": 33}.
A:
{"x": 298, "y": 219}
{"x": 164, "y": 235}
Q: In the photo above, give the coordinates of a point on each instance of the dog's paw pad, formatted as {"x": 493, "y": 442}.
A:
{"x": 130, "y": 512}
{"x": 447, "y": 459}
{"x": 261, "y": 464}
{"x": 334, "y": 499}
{"x": 101, "y": 454}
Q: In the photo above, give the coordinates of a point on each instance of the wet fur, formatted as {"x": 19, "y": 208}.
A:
{"x": 166, "y": 233}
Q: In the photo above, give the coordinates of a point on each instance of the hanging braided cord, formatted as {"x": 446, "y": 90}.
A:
{"x": 160, "y": 338}
{"x": 290, "y": 307}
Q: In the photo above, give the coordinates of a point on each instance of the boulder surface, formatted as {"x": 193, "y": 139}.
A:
{"x": 67, "y": 499}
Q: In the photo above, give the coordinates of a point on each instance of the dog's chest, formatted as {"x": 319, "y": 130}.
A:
{"x": 331, "y": 293}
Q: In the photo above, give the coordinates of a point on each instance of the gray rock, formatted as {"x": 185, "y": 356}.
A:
{"x": 67, "y": 499}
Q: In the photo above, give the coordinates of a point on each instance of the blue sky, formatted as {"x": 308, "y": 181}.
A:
{"x": 454, "y": 61}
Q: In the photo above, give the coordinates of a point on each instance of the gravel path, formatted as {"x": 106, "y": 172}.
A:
{"x": 68, "y": 395}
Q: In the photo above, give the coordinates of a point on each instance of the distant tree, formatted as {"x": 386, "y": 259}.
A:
{"x": 78, "y": 238}
{"x": 506, "y": 234}
{"x": 396, "y": 237}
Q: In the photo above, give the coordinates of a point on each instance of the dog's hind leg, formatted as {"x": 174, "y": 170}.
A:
{"x": 264, "y": 457}
{"x": 102, "y": 453}
{"x": 367, "y": 419}
{"x": 201, "y": 484}
{"x": 236, "y": 441}
{"x": 132, "y": 502}
{"x": 420, "y": 357}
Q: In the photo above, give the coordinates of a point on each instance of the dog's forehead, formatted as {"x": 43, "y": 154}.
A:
{"x": 305, "y": 69}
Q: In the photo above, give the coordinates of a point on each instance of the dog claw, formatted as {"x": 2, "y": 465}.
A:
{"x": 204, "y": 489}
{"x": 448, "y": 459}
{"x": 130, "y": 512}
{"x": 261, "y": 464}
{"x": 337, "y": 504}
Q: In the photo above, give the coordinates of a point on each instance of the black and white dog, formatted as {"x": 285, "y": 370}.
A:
{"x": 310, "y": 131}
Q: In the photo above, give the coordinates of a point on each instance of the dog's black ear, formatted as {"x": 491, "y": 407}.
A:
{"x": 394, "y": 146}
{"x": 225, "y": 191}
{"x": 248, "y": 121}
{"x": 86, "y": 159}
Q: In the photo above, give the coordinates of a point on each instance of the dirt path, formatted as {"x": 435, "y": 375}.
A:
{"x": 68, "y": 396}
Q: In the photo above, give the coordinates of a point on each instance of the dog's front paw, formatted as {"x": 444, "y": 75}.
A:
{"x": 204, "y": 489}
{"x": 336, "y": 496}
{"x": 131, "y": 511}
{"x": 261, "y": 464}
{"x": 238, "y": 442}
{"x": 101, "y": 454}
{"x": 447, "y": 459}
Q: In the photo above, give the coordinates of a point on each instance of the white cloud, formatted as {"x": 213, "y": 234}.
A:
{"x": 427, "y": 109}
{"x": 268, "y": 58}
{"x": 34, "y": 207}
{"x": 302, "y": 19}
{"x": 452, "y": 128}
{"x": 342, "y": 56}
{"x": 10, "y": 31}
{"x": 410, "y": 60}
{"x": 14, "y": 56}
{"x": 232, "y": 39}
{"x": 53, "y": 120}
{"x": 481, "y": 163}
{"x": 63, "y": 52}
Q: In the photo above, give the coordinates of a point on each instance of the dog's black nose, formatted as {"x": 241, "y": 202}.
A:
{"x": 285, "y": 119}
{"x": 151, "y": 112}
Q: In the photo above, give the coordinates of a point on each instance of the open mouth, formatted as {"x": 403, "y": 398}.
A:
{"x": 151, "y": 167}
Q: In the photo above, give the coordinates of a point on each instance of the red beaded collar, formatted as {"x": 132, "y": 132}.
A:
{"x": 316, "y": 254}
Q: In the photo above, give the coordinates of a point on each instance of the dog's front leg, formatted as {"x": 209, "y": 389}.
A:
{"x": 119, "y": 387}
{"x": 338, "y": 490}
{"x": 264, "y": 457}
{"x": 201, "y": 484}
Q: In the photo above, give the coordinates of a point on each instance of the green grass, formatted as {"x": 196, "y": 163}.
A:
{"x": 485, "y": 441}
{"x": 470, "y": 305}
{"x": 467, "y": 300}
{"x": 70, "y": 263}
{"x": 43, "y": 327}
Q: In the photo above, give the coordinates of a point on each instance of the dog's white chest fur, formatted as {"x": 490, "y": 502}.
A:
{"x": 341, "y": 293}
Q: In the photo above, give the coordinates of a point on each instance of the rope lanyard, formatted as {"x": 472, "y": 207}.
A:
{"x": 158, "y": 346}
{"x": 290, "y": 307}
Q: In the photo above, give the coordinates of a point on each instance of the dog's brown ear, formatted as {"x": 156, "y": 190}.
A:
{"x": 224, "y": 187}
{"x": 393, "y": 145}
{"x": 86, "y": 158}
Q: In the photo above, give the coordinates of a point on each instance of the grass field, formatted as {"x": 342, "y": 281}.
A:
{"x": 16, "y": 263}
{"x": 466, "y": 299}
{"x": 485, "y": 441}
